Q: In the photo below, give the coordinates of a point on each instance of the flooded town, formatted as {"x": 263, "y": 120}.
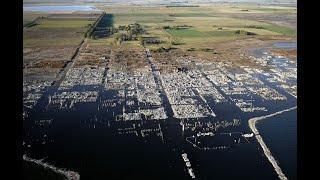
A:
{"x": 105, "y": 97}
{"x": 142, "y": 101}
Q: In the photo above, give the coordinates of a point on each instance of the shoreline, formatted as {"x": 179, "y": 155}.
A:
{"x": 252, "y": 124}
{"x": 70, "y": 175}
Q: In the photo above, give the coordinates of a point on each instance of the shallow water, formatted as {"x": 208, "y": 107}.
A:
{"x": 285, "y": 45}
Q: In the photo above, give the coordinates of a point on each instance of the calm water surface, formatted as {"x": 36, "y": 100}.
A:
{"x": 280, "y": 135}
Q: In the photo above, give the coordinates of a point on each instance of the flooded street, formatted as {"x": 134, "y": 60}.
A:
{"x": 100, "y": 117}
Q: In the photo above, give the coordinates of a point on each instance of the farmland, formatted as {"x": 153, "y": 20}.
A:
{"x": 189, "y": 29}
{"x": 208, "y": 24}
{"x": 51, "y": 41}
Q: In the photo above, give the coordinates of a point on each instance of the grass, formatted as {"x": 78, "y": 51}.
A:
{"x": 139, "y": 14}
{"x": 29, "y": 16}
{"x": 64, "y": 24}
{"x": 31, "y": 42}
{"x": 189, "y": 38}
{"x": 190, "y": 33}
{"x": 205, "y": 21}
{"x": 131, "y": 44}
{"x": 280, "y": 29}
{"x": 185, "y": 33}
{"x": 191, "y": 15}
{"x": 221, "y": 33}
{"x": 56, "y": 32}
{"x": 274, "y": 10}
{"x": 262, "y": 32}
{"x": 28, "y": 23}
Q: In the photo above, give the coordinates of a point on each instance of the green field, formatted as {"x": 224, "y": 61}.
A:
{"x": 221, "y": 33}
{"x": 208, "y": 24}
{"x": 191, "y": 15}
{"x": 280, "y": 29}
{"x": 191, "y": 33}
{"x": 185, "y": 33}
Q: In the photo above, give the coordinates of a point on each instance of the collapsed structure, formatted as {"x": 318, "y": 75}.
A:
{"x": 130, "y": 85}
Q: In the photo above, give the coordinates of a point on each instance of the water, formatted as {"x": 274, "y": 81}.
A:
{"x": 97, "y": 151}
{"x": 285, "y": 45}
{"x": 280, "y": 132}
{"x": 280, "y": 135}
{"x": 54, "y": 8}
{"x": 93, "y": 149}
{"x": 91, "y": 142}
{"x": 36, "y": 172}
